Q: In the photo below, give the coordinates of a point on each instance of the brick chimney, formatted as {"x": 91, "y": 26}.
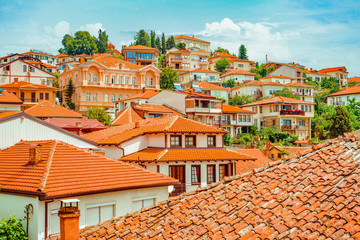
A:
{"x": 267, "y": 148}
{"x": 137, "y": 124}
{"x": 34, "y": 154}
{"x": 69, "y": 214}
{"x": 82, "y": 60}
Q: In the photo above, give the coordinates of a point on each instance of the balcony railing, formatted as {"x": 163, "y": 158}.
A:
{"x": 293, "y": 127}
{"x": 176, "y": 59}
{"x": 292, "y": 112}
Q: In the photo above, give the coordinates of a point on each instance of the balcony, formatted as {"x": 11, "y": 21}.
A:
{"x": 293, "y": 127}
{"x": 31, "y": 100}
{"x": 202, "y": 61}
{"x": 176, "y": 59}
{"x": 292, "y": 112}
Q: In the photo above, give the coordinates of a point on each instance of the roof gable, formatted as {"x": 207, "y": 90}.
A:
{"x": 46, "y": 109}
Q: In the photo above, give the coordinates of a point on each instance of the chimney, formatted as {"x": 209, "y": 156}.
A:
{"x": 267, "y": 148}
{"x": 69, "y": 214}
{"x": 193, "y": 36}
{"x": 137, "y": 124}
{"x": 34, "y": 154}
{"x": 16, "y": 80}
{"x": 82, "y": 60}
{"x": 79, "y": 124}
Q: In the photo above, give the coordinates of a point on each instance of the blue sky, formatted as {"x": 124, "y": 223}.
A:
{"x": 317, "y": 34}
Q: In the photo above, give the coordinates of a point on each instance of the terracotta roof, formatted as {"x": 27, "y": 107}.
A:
{"x": 301, "y": 142}
{"x": 349, "y": 91}
{"x": 180, "y": 51}
{"x": 7, "y": 114}
{"x": 275, "y": 76}
{"x": 258, "y": 83}
{"x": 183, "y": 154}
{"x": 127, "y": 115}
{"x": 191, "y": 93}
{"x": 32, "y": 52}
{"x": 296, "y": 84}
{"x": 238, "y": 72}
{"x": 9, "y": 98}
{"x": 333, "y": 69}
{"x": 231, "y": 109}
{"x": 145, "y": 95}
{"x": 172, "y": 124}
{"x": 156, "y": 108}
{"x": 278, "y": 99}
{"x": 246, "y": 166}
{"x": 62, "y": 55}
{"x": 207, "y": 85}
{"x": 48, "y": 65}
{"x": 201, "y": 70}
{"x": 191, "y": 38}
{"x": 66, "y": 170}
{"x": 26, "y": 85}
{"x": 313, "y": 196}
{"x": 354, "y": 79}
{"x": 140, "y": 47}
{"x": 93, "y": 124}
{"x": 312, "y": 71}
{"x": 46, "y": 109}
{"x": 293, "y": 150}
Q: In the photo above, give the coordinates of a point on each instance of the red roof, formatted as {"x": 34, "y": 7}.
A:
{"x": 201, "y": 70}
{"x": 349, "y": 91}
{"x": 278, "y": 99}
{"x": 26, "y": 85}
{"x": 93, "y": 124}
{"x": 238, "y": 72}
{"x": 314, "y": 196}
{"x": 9, "y": 98}
{"x": 173, "y": 155}
{"x": 333, "y": 69}
{"x": 231, "y": 109}
{"x": 66, "y": 170}
{"x": 46, "y": 109}
{"x": 207, "y": 85}
{"x": 145, "y": 95}
{"x": 62, "y": 55}
{"x": 140, "y": 47}
{"x": 260, "y": 160}
{"x": 354, "y": 79}
{"x": 296, "y": 84}
{"x": 275, "y": 76}
{"x": 156, "y": 108}
{"x": 191, "y": 38}
{"x": 127, "y": 115}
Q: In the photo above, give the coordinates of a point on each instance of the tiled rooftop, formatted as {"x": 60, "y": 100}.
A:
{"x": 76, "y": 123}
{"x": 46, "y": 109}
{"x": 207, "y": 85}
{"x": 144, "y": 95}
{"x": 9, "y": 98}
{"x": 333, "y": 69}
{"x": 238, "y": 72}
{"x": 349, "y": 91}
{"x": 127, "y": 115}
{"x": 191, "y": 38}
{"x": 231, "y": 109}
{"x": 260, "y": 160}
{"x": 278, "y": 99}
{"x": 313, "y": 196}
{"x": 27, "y": 85}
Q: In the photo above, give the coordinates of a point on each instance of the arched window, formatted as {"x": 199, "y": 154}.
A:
{"x": 106, "y": 98}
{"x": 113, "y": 98}
{"x": 119, "y": 97}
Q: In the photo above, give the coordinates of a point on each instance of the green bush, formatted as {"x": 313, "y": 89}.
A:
{"x": 12, "y": 229}
{"x": 227, "y": 139}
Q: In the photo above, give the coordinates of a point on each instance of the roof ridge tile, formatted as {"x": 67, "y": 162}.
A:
{"x": 48, "y": 165}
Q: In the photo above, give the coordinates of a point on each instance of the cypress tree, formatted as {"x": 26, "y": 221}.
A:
{"x": 163, "y": 44}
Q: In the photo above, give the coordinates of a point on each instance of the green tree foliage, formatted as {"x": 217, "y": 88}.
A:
{"x": 56, "y": 84}
{"x": 12, "y": 229}
{"x": 100, "y": 114}
{"x": 221, "y": 65}
{"x": 286, "y": 93}
{"x": 261, "y": 70}
{"x": 170, "y": 43}
{"x": 229, "y": 83}
{"x": 239, "y": 100}
{"x": 163, "y": 44}
{"x": 142, "y": 38}
{"x": 227, "y": 139}
{"x": 242, "y": 52}
{"x": 68, "y": 95}
{"x": 81, "y": 43}
{"x": 223, "y": 50}
{"x": 168, "y": 77}
{"x": 330, "y": 83}
{"x": 158, "y": 44}
{"x": 340, "y": 122}
{"x": 181, "y": 45}
{"x": 102, "y": 42}
{"x": 152, "y": 41}
{"x": 253, "y": 130}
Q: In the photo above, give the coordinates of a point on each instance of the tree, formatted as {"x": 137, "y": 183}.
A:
{"x": 68, "y": 95}
{"x": 163, "y": 44}
{"x": 142, "y": 38}
{"x": 152, "y": 35}
{"x": 158, "y": 44}
{"x": 221, "y": 65}
{"x": 81, "y": 43}
{"x": 223, "y": 50}
{"x": 239, "y": 100}
{"x": 340, "y": 122}
{"x": 227, "y": 139}
{"x": 168, "y": 77}
{"x": 170, "y": 43}
{"x": 229, "y": 83}
{"x": 100, "y": 114}
{"x": 261, "y": 70}
{"x": 181, "y": 45}
{"x": 102, "y": 42}
{"x": 330, "y": 83}
{"x": 242, "y": 52}
{"x": 286, "y": 93}
{"x": 11, "y": 228}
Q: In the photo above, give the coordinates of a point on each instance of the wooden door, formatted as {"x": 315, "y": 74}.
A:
{"x": 178, "y": 172}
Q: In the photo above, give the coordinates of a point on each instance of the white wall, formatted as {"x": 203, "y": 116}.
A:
{"x": 157, "y": 140}
{"x": 343, "y": 99}
{"x": 10, "y": 107}
{"x": 12, "y": 131}
{"x": 135, "y": 145}
{"x": 176, "y": 100}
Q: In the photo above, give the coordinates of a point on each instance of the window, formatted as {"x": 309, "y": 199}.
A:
{"x": 96, "y": 213}
{"x": 41, "y": 96}
{"x": 211, "y": 140}
{"x": 190, "y": 141}
{"x": 210, "y": 172}
{"x": 287, "y": 122}
{"x": 94, "y": 78}
{"x": 119, "y": 97}
{"x": 223, "y": 171}
{"x": 273, "y": 122}
{"x": 133, "y": 82}
{"x": 145, "y": 81}
{"x": 240, "y": 118}
{"x": 94, "y": 97}
{"x": 309, "y": 108}
{"x": 88, "y": 77}
{"x": 306, "y": 108}
{"x": 260, "y": 109}
{"x": 87, "y": 96}
{"x": 131, "y": 55}
{"x": 46, "y": 96}
{"x": 106, "y": 98}
{"x": 175, "y": 141}
{"x": 113, "y": 98}
{"x": 248, "y": 118}
{"x": 301, "y": 123}
{"x": 126, "y": 80}
{"x": 240, "y": 65}
{"x": 138, "y": 203}
{"x": 119, "y": 79}
{"x": 24, "y": 68}
{"x": 113, "y": 79}
{"x": 195, "y": 174}
{"x": 106, "y": 79}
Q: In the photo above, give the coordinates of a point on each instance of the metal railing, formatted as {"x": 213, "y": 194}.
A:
{"x": 292, "y": 112}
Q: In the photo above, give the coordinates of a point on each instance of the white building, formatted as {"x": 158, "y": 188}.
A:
{"x": 9, "y": 102}
{"x": 199, "y": 74}
{"x": 215, "y": 90}
{"x": 239, "y": 75}
{"x": 343, "y": 97}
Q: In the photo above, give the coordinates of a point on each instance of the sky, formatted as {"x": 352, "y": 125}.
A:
{"x": 317, "y": 34}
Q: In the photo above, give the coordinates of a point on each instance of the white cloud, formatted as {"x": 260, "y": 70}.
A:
{"x": 93, "y": 29}
{"x": 225, "y": 28}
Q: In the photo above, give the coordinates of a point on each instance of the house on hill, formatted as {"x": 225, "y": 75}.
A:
{"x": 46, "y": 109}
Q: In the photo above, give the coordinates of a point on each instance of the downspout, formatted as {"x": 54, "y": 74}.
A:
{"x": 46, "y": 218}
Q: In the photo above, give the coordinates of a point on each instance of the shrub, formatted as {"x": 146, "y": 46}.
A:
{"x": 12, "y": 229}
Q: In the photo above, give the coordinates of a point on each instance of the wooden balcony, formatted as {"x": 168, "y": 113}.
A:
{"x": 292, "y": 112}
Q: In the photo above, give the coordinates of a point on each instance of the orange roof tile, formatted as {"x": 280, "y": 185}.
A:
{"x": 192, "y": 38}
{"x": 202, "y": 70}
{"x": 275, "y": 76}
{"x": 296, "y": 84}
{"x": 246, "y": 166}
{"x": 278, "y": 99}
{"x": 26, "y": 85}
{"x": 9, "y": 98}
{"x": 171, "y": 155}
{"x": 238, "y": 72}
{"x": 48, "y": 65}
{"x": 85, "y": 124}
{"x": 354, "y": 79}
{"x": 333, "y": 69}
{"x": 314, "y": 196}
{"x": 62, "y": 55}
{"x": 293, "y": 150}
{"x": 156, "y": 108}
{"x": 144, "y": 95}
{"x": 7, "y": 114}
{"x": 127, "y": 115}
{"x": 349, "y": 91}
{"x": 46, "y": 109}
{"x": 140, "y": 47}
{"x": 207, "y": 85}
{"x": 231, "y": 109}
{"x": 66, "y": 170}
{"x": 172, "y": 124}
{"x": 258, "y": 83}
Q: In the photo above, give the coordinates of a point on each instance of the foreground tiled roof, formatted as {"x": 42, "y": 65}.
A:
{"x": 293, "y": 150}
{"x": 46, "y": 109}
{"x": 93, "y": 124}
{"x": 231, "y": 109}
{"x": 173, "y": 155}
{"x": 314, "y": 196}
{"x": 144, "y": 95}
{"x": 127, "y": 115}
{"x": 333, "y": 69}
{"x": 66, "y": 170}
{"x": 260, "y": 160}
{"x": 207, "y": 85}
{"x": 140, "y": 47}
{"x": 349, "y": 91}
{"x": 9, "y": 98}
{"x": 278, "y": 99}
{"x": 296, "y": 84}
{"x": 27, "y": 85}
{"x": 173, "y": 124}
{"x": 238, "y": 72}
{"x": 354, "y": 79}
